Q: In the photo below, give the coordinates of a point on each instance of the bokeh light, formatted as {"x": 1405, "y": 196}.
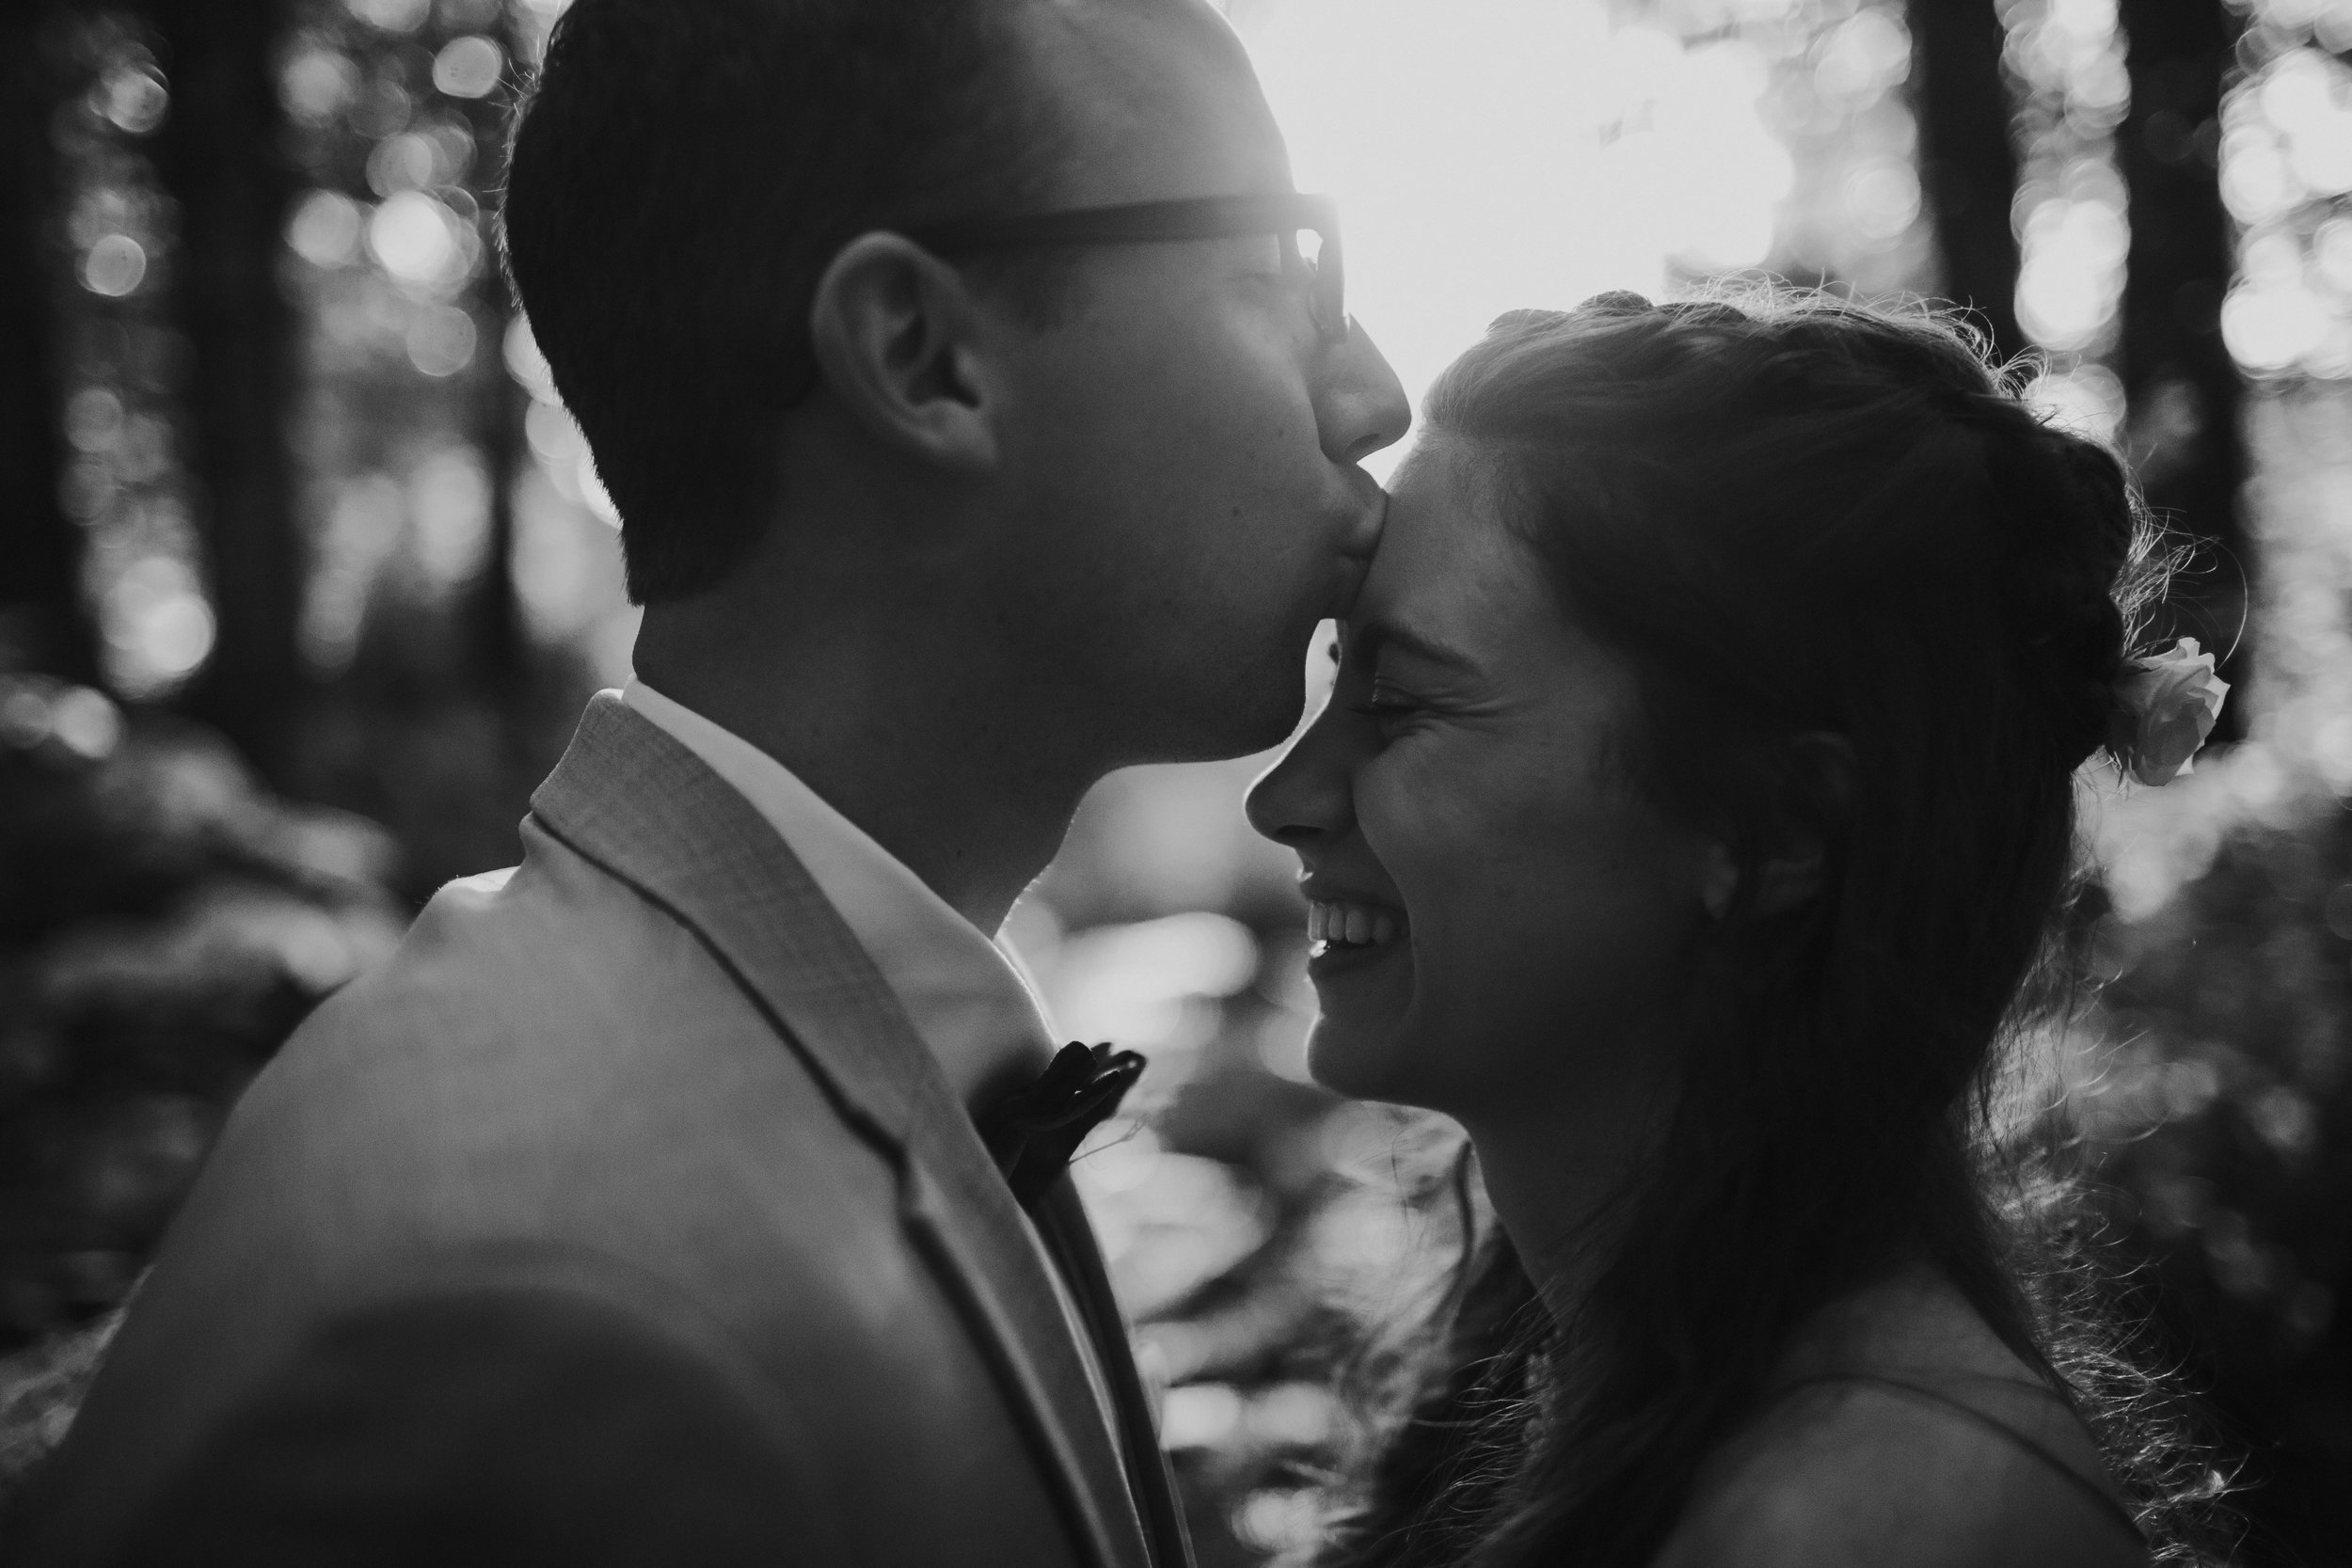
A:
{"x": 157, "y": 625}
{"x": 468, "y": 66}
{"x": 420, "y": 242}
{"x": 113, "y": 266}
{"x": 2070, "y": 210}
{"x": 123, "y": 356}
{"x": 133, "y": 97}
{"x": 2286, "y": 174}
{"x": 317, "y": 83}
{"x": 440, "y": 340}
{"x": 2071, "y": 273}
{"x": 324, "y": 229}
{"x": 2086, "y": 399}
{"x": 393, "y": 16}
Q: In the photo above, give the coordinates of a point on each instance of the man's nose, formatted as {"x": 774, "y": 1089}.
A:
{"x": 1362, "y": 406}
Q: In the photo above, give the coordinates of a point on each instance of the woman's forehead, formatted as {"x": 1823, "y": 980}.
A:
{"x": 1456, "y": 572}
{"x": 1444, "y": 548}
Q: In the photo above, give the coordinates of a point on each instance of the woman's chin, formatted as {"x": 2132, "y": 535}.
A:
{"x": 1364, "y": 994}
{"x": 1368, "y": 1059}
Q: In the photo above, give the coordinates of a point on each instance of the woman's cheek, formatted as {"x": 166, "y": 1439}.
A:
{"x": 1412, "y": 822}
{"x": 1424, "y": 827}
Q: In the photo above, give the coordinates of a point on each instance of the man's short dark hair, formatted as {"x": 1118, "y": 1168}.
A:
{"x": 682, "y": 172}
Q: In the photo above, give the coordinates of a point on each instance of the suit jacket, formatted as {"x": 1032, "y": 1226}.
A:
{"x": 621, "y": 1217}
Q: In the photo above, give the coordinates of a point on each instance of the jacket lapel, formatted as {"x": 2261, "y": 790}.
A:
{"x": 645, "y": 808}
{"x": 1061, "y": 1217}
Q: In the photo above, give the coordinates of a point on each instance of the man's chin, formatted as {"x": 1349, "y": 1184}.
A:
{"x": 1276, "y": 724}
{"x": 1239, "y": 723}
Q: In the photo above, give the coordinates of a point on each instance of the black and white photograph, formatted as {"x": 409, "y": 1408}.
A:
{"x": 1176, "y": 783}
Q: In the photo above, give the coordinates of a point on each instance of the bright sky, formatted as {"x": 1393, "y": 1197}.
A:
{"x": 1491, "y": 154}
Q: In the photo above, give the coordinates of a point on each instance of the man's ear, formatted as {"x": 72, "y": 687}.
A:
{"x": 1816, "y": 784}
{"x": 896, "y": 335}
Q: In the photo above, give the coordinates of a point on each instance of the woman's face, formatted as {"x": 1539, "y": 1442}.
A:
{"x": 1497, "y": 913}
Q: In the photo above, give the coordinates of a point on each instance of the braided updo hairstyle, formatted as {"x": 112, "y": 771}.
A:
{"x": 1797, "y": 518}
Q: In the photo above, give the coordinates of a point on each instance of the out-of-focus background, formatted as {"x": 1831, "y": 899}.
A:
{"x": 306, "y": 572}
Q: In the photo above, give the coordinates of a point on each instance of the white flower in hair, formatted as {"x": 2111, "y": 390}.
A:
{"x": 2165, "y": 707}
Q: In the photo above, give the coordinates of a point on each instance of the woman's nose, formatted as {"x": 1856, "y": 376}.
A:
{"x": 1305, "y": 798}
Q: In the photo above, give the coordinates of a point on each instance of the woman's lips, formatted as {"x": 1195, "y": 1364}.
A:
{"x": 1346, "y": 935}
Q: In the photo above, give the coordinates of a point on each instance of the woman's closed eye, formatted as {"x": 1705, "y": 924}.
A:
{"x": 1388, "y": 706}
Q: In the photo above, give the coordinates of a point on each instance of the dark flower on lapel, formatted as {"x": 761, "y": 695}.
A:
{"x": 1031, "y": 1132}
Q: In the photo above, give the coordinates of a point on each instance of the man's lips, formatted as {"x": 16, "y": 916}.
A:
{"x": 1348, "y": 582}
{"x": 1375, "y": 519}
{"x": 1355, "y": 556}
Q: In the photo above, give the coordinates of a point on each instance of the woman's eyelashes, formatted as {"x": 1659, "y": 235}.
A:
{"x": 1388, "y": 705}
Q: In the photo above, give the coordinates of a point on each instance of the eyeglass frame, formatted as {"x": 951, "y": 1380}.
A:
{"x": 1206, "y": 217}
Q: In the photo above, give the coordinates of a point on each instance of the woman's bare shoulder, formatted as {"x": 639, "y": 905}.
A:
{"x": 1905, "y": 1434}
{"x": 1857, "y": 1474}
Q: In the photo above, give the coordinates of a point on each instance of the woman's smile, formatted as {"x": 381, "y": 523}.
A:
{"x": 1462, "y": 772}
{"x": 1345, "y": 936}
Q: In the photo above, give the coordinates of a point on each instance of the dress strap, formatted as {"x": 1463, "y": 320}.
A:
{"x": 1921, "y": 1394}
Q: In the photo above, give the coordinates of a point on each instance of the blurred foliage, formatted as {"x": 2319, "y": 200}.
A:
{"x": 2224, "y": 1121}
{"x": 164, "y": 925}
{"x": 2212, "y": 1081}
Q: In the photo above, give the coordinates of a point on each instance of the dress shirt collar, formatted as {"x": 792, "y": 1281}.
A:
{"x": 966, "y": 997}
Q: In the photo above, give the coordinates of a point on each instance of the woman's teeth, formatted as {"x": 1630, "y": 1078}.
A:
{"x": 1351, "y": 924}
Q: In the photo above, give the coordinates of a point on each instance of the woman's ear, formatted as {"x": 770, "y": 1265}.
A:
{"x": 1814, "y": 775}
{"x": 896, "y": 338}
{"x": 1719, "y": 877}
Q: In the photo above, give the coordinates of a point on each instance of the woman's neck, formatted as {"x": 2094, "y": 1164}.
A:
{"x": 1558, "y": 1178}
{"x": 1910, "y": 1321}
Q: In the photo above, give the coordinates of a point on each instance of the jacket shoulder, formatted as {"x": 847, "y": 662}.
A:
{"x": 549, "y": 1054}
{"x": 552, "y": 1057}
{"x": 525, "y": 1404}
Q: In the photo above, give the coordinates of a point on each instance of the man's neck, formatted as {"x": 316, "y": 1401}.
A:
{"x": 899, "y": 739}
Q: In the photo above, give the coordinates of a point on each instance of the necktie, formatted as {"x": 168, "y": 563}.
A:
{"x": 1032, "y": 1131}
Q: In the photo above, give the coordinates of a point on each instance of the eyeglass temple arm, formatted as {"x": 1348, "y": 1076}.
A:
{"x": 1201, "y": 218}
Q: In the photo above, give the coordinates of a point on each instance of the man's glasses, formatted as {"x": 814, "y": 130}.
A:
{"x": 1306, "y": 227}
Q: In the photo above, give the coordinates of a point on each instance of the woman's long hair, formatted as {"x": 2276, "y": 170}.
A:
{"x": 1799, "y": 517}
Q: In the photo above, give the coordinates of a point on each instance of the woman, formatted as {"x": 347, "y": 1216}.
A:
{"x": 1689, "y": 822}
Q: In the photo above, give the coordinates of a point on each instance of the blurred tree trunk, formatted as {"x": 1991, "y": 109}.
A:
{"x": 222, "y": 159}
{"x": 2183, "y": 392}
{"x": 495, "y": 630}
{"x": 1968, "y": 162}
{"x": 43, "y": 623}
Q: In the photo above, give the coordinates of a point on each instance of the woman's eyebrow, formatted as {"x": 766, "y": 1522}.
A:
{"x": 1377, "y": 635}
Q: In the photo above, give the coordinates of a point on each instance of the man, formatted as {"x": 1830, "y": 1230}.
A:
{"x": 637, "y": 1210}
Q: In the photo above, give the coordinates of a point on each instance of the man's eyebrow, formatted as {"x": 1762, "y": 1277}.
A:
{"x": 1371, "y": 639}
